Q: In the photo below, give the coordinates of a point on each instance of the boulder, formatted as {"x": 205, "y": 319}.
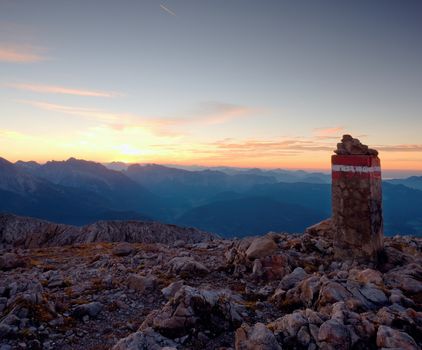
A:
{"x": 261, "y": 247}
{"x": 321, "y": 229}
{"x": 293, "y": 278}
{"x": 194, "y": 309}
{"x": 179, "y": 243}
{"x": 274, "y": 267}
{"x": 187, "y": 265}
{"x": 335, "y": 333}
{"x": 392, "y": 338}
{"x": 407, "y": 278}
{"x": 333, "y": 292}
{"x": 303, "y": 336}
{"x": 9, "y": 261}
{"x": 123, "y": 249}
{"x": 289, "y": 324}
{"x": 374, "y": 294}
{"x": 146, "y": 339}
{"x": 171, "y": 290}
{"x": 367, "y": 276}
{"x": 91, "y": 309}
{"x": 141, "y": 283}
{"x": 257, "y": 337}
{"x": 303, "y": 294}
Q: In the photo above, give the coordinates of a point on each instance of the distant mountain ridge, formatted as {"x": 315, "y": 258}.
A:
{"x": 120, "y": 191}
{"x": 80, "y": 192}
{"x": 411, "y": 182}
{"x": 55, "y": 191}
{"x": 279, "y": 175}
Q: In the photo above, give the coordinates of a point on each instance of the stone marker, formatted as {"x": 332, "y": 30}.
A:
{"x": 356, "y": 201}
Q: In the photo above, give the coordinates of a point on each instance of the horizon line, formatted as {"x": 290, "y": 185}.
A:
{"x": 290, "y": 168}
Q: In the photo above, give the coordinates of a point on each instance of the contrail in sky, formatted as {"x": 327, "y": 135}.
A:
{"x": 167, "y": 10}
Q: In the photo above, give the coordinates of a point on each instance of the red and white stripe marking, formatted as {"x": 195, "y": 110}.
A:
{"x": 355, "y": 166}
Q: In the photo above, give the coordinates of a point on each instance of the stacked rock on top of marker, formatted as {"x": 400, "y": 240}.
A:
{"x": 352, "y": 146}
{"x": 356, "y": 201}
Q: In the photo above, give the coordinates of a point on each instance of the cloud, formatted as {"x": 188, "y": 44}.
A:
{"x": 400, "y": 148}
{"x": 90, "y": 113}
{"x": 268, "y": 148}
{"x": 213, "y": 113}
{"x": 276, "y": 149}
{"x": 167, "y": 10}
{"x": 210, "y": 113}
{"x": 20, "y": 54}
{"x": 53, "y": 89}
{"x": 289, "y": 144}
{"x": 328, "y": 133}
{"x": 114, "y": 121}
{"x": 11, "y": 134}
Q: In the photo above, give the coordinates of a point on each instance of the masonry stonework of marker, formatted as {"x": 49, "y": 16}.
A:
{"x": 356, "y": 201}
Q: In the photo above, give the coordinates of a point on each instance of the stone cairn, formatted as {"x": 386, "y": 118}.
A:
{"x": 356, "y": 201}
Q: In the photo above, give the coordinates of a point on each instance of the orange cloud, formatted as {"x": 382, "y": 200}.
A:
{"x": 208, "y": 114}
{"x": 20, "y": 54}
{"x": 274, "y": 145}
{"x": 328, "y": 133}
{"x": 11, "y": 134}
{"x": 91, "y": 113}
{"x": 400, "y": 148}
{"x": 53, "y": 89}
{"x": 114, "y": 121}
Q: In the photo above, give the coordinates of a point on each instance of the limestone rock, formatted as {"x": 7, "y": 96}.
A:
{"x": 187, "y": 265}
{"x": 304, "y": 293}
{"x": 322, "y": 229}
{"x": 367, "y": 276}
{"x": 32, "y": 233}
{"x": 257, "y": 337}
{"x": 286, "y": 296}
{"x": 146, "y": 339}
{"x": 193, "y": 308}
{"x": 141, "y": 283}
{"x": 407, "y": 278}
{"x": 171, "y": 290}
{"x": 335, "y": 333}
{"x": 392, "y": 338}
{"x": 10, "y": 261}
{"x": 333, "y": 292}
{"x": 91, "y": 309}
{"x": 293, "y": 278}
{"x": 275, "y": 267}
{"x": 289, "y": 324}
{"x": 352, "y": 146}
{"x": 261, "y": 247}
{"x": 123, "y": 249}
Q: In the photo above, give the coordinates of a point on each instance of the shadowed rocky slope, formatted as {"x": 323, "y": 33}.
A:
{"x": 278, "y": 291}
{"x": 27, "y": 232}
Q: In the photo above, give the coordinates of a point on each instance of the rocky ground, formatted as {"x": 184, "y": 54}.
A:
{"x": 271, "y": 292}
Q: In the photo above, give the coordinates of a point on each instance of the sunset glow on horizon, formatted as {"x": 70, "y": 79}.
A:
{"x": 244, "y": 84}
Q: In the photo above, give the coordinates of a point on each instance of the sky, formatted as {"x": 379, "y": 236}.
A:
{"x": 271, "y": 84}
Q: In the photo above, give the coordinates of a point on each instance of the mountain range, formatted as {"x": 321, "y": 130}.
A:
{"x": 227, "y": 201}
{"x": 412, "y": 182}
